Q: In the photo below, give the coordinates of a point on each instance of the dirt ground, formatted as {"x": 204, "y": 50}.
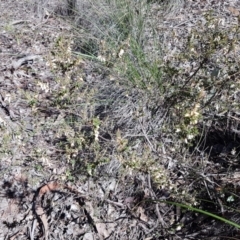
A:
{"x": 40, "y": 197}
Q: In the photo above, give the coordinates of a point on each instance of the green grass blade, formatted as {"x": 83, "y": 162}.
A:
{"x": 202, "y": 212}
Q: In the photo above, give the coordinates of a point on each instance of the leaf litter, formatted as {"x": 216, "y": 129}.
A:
{"x": 30, "y": 137}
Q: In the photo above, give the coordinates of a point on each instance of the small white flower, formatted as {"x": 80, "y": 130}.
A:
{"x": 194, "y": 122}
{"x": 179, "y": 227}
{"x": 190, "y": 136}
{"x": 120, "y": 54}
{"x": 230, "y": 199}
{"x": 233, "y": 152}
{"x": 101, "y": 58}
{"x": 192, "y": 50}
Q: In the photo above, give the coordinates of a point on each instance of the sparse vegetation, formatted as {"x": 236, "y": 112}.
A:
{"x": 126, "y": 96}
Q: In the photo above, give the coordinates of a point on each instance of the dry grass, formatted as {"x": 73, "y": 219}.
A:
{"x": 128, "y": 97}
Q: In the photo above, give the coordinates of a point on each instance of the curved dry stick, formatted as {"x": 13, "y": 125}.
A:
{"x": 52, "y": 186}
